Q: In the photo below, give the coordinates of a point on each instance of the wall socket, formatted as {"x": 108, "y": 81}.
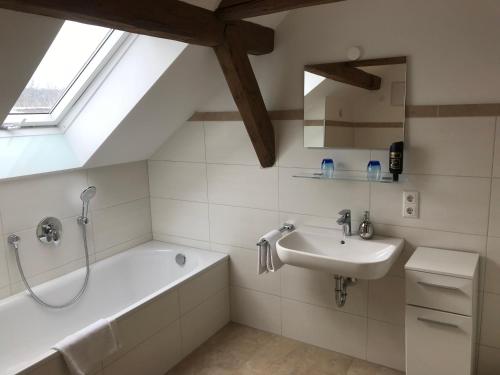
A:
{"x": 410, "y": 204}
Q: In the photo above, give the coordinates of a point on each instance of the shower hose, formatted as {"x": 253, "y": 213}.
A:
{"x": 15, "y": 244}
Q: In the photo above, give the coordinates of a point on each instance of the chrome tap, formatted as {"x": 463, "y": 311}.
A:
{"x": 345, "y": 221}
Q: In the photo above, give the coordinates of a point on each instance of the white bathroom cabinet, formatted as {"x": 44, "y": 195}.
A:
{"x": 441, "y": 312}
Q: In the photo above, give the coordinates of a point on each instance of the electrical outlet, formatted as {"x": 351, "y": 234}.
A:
{"x": 410, "y": 204}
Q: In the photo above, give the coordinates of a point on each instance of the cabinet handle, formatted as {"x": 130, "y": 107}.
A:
{"x": 426, "y": 320}
{"x": 424, "y": 283}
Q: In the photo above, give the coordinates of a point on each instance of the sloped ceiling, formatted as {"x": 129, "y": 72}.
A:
{"x": 24, "y": 39}
{"x": 190, "y": 81}
{"x": 182, "y": 89}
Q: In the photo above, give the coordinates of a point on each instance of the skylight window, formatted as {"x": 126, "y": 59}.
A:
{"x": 75, "y": 57}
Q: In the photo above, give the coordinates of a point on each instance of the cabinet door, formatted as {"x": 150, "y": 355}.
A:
{"x": 438, "y": 343}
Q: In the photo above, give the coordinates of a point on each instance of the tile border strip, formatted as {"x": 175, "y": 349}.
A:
{"x": 412, "y": 111}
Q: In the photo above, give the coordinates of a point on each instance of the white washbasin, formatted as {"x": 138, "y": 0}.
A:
{"x": 322, "y": 249}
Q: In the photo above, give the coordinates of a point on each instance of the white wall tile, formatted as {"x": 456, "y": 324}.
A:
{"x": 494, "y": 227}
{"x": 300, "y": 220}
{"x": 492, "y": 278}
{"x": 4, "y": 292}
{"x": 386, "y": 344}
{"x": 456, "y": 204}
{"x": 330, "y": 329}
{"x": 240, "y": 226}
{"x": 180, "y": 218}
{"x": 4, "y": 272}
{"x": 119, "y": 184}
{"x": 113, "y": 250}
{"x": 321, "y": 198}
{"x": 204, "y": 321}
{"x": 246, "y": 186}
{"x": 186, "y": 144}
{"x": 256, "y": 309}
{"x": 291, "y": 151}
{"x": 436, "y": 146}
{"x": 122, "y": 223}
{"x": 243, "y": 270}
{"x": 318, "y": 288}
{"x": 37, "y": 258}
{"x": 496, "y": 158}
{"x": 489, "y": 361}
{"x": 415, "y": 237}
{"x": 386, "y": 300}
{"x": 195, "y": 291}
{"x": 490, "y": 326}
{"x": 205, "y": 245}
{"x": 178, "y": 180}
{"x": 53, "y": 273}
{"x": 155, "y": 356}
{"x": 228, "y": 143}
{"x": 24, "y": 202}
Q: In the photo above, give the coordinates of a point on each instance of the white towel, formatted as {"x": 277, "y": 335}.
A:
{"x": 268, "y": 259}
{"x": 84, "y": 350}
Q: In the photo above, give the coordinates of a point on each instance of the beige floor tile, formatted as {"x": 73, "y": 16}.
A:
{"x": 240, "y": 350}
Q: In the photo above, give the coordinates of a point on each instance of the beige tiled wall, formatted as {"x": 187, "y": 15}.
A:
{"x": 208, "y": 190}
{"x": 120, "y": 219}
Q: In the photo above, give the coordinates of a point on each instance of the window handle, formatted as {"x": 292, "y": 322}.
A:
{"x": 432, "y": 321}
{"x": 425, "y": 283}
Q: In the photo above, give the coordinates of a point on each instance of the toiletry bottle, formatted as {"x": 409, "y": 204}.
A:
{"x": 366, "y": 227}
{"x": 396, "y": 160}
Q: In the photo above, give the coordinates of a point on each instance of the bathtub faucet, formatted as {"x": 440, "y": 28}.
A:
{"x": 86, "y": 196}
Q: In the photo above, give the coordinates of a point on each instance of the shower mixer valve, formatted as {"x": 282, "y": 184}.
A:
{"x": 49, "y": 231}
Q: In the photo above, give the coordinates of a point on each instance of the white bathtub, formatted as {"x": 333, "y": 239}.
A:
{"x": 119, "y": 287}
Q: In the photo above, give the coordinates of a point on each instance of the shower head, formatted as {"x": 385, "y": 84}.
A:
{"x": 88, "y": 194}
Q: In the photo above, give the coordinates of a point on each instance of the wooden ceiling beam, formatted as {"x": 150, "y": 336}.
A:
{"x": 241, "y": 79}
{"x": 176, "y": 20}
{"x": 343, "y": 72}
{"x": 239, "y": 9}
{"x": 170, "y": 19}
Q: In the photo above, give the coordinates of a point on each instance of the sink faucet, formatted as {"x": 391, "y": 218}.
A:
{"x": 345, "y": 221}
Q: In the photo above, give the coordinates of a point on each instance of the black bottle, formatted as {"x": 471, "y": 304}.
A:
{"x": 396, "y": 160}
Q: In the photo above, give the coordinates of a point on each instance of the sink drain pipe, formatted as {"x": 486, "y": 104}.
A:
{"x": 341, "y": 284}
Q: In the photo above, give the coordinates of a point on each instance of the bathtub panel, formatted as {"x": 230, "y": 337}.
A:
{"x": 139, "y": 288}
{"x": 144, "y": 322}
{"x": 155, "y": 356}
{"x": 203, "y": 321}
{"x": 198, "y": 289}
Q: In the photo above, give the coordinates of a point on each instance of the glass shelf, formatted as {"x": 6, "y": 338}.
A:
{"x": 385, "y": 178}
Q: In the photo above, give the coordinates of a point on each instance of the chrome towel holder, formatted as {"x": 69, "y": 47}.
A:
{"x": 284, "y": 228}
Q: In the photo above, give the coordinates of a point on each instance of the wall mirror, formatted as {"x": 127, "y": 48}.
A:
{"x": 355, "y": 104}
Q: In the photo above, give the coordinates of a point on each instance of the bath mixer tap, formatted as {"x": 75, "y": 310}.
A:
{"x": 345, "y": 221}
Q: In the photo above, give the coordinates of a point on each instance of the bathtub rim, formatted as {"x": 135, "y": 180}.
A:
{"x": 51, "y": 354}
